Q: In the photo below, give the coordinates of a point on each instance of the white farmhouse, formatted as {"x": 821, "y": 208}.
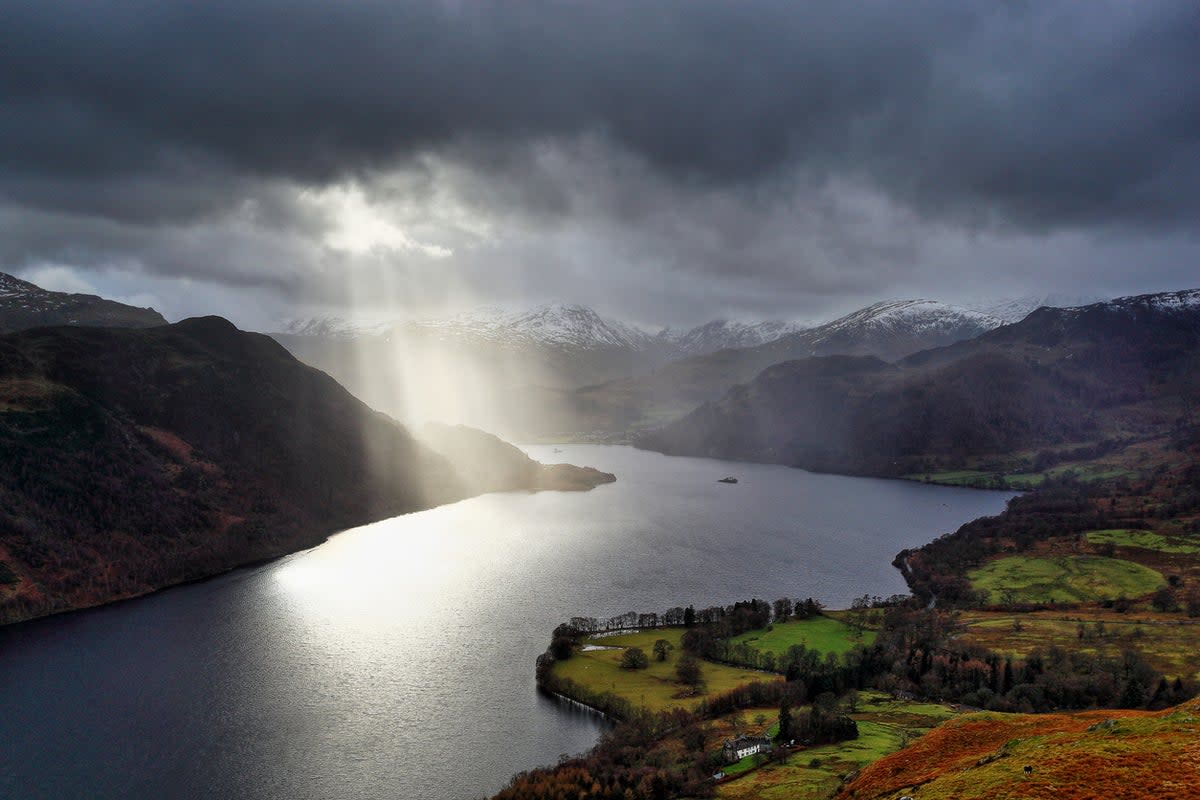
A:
{"x": 741, "y": 746}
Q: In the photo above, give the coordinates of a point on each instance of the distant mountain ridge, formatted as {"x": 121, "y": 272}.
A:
{"x": 891, "y": 329}
{"x": 1095, "y": 375}
{"x": 724, "y": 335}
{"x": 568, "y": 326}
{"x": 565, "y": 370}
{"x": 887, "y": 330}
{"x": 492, "y": 368}
{"x": 24, "y": 305}
{"x": 1015, "y": 309}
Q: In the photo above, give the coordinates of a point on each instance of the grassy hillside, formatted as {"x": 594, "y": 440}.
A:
{"x": 1097, "y": 754}
{"x": 1064, "y": 579}
{"x": 885, "y": 725}
{"x": 1167, "y": 640}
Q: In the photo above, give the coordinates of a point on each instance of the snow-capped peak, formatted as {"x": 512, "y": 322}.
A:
{"x": 1015, "y": 309}
{"x": 561, "y": 325}
{"x": 913, "y": 315}
{"x": 1168, "y": 302}
{"x": 333, "y": 326}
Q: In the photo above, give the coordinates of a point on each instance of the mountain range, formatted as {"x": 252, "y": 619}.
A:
{"x": 1095, "y": 375}
{"x": 886, "y": 330}
{"x": 565, "y": 326}
{"x": 565, "y": 370}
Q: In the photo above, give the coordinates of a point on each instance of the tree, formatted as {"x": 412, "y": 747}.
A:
{"x": 689, "y": 616}
{"x": 783, "y": 609}
{"x": 688, "y": 670}
{"x": 561, "y": 646}
{"x": 1164, "y": 599}
{"x": 634, "y": 658}
{"x": 661, "y": 648}
{"x": 785, "y": 720}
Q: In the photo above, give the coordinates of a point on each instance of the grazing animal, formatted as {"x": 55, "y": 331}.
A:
{"x": 1028, "y": 770}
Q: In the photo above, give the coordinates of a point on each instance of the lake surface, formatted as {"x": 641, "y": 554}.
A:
{"x": 396, "y": 660}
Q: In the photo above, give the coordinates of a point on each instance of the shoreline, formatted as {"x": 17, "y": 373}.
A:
{"x": 306, "y": 542}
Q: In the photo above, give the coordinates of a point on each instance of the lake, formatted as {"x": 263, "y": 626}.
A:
{"x": 396, "y": 660}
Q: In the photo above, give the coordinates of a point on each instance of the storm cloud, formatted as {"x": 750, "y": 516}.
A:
{"x": 776, "y": 152}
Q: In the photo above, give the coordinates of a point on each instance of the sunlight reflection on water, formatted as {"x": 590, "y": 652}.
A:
{"x": 396, "y": 660}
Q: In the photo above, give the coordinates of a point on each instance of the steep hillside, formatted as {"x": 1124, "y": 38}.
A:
{"x": 1109, "y": 372}
{"x": 1097, "y": 754}
{"x": 24, "y": 305}
{"x": 139, "y": 458}
{"x": 487, "y": 463}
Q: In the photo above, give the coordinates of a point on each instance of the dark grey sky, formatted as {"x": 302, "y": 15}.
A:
{"x": 664, "y": 161}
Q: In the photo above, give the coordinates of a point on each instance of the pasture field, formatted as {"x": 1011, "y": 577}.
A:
{"x": 1025, "y": 481}
{"x": 822, "y": 633}
{"x": 1063, "y": 579}
{"x": 654, "y": 687}
{"x": 1146, "y": 540}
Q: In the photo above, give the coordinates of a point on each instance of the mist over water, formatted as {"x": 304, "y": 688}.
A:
{"x": 396, "y": 660}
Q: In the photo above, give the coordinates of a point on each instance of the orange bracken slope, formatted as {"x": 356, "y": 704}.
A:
{"x": 1100, "y": 755}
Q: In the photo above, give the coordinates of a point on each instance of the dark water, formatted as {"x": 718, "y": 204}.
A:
{"x": 396, "y": 661}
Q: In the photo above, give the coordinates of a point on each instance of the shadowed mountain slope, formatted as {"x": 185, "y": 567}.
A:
{"x": 139, "y": 458}
{"x": 1111, "y": 371}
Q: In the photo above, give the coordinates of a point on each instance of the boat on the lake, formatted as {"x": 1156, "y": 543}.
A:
{"x": 727, "y": 479}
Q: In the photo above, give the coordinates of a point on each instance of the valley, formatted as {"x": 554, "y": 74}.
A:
{"x": 1082, "y": 593}
{"x": 609, "y": 400}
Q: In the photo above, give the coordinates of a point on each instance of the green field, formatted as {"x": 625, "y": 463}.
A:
{"x": 884, "y": 726}
{"x": 1023, "y": 481}
{"x": 821, "y": 633}
{"x": 655, "y": 687}
{"x": 1147, "y": 540}
{"x": 1063, "y": 579}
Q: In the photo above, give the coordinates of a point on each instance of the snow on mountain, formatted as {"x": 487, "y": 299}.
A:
{"x": 24, "y": 305}
{"x": 333, "y": 327}
{"x": 723, "y": 334}
{"x": 577, "y": 328}
{"x": 888, "y": 330}
{"x": 1187, "y": 300}
{"x": 572, "y": 327}
{"x": 11, "y": 286}
{"x": 563, "y": 326}
{"x": 1015, "y": 309}
{"x": 910, "y": 317}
